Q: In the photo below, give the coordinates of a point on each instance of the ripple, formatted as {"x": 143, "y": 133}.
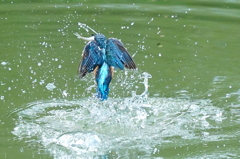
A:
{"x": 88, "y": 128}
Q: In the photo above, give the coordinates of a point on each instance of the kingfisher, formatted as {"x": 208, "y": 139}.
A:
{"x": 102, "y": 56}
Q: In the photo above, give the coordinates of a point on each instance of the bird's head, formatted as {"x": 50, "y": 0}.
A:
{"x": 100, "y": 40}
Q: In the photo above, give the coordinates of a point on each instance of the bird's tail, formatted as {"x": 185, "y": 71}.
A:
{"x": 102, "y": 93}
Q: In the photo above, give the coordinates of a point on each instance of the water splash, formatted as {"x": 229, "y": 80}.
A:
{"x": 116, "y": 128}
{"x": 144, "y": 96}
{"x": 86, "y": 27}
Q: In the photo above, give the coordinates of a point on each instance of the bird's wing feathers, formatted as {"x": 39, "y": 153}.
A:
{"x": 91, "y": 58}
{"x": 118, "y": 56}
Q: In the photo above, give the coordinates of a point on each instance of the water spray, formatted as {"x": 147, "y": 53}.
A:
{"x": 86, "y": 27}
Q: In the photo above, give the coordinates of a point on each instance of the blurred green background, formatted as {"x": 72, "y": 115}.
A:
{"x": 190, "y": 48}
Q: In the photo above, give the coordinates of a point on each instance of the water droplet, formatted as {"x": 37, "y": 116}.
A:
{"x": 150, "y": 21}
{"x": 228, "y": 95}
{"x": 50, "y": 86}
{"x": 23, "y": 91}
{"x": 4, "y": 63}
{"x": 34, "y": 81}
{"x": 64, "y": 93}
{"x": 41, "y": 82}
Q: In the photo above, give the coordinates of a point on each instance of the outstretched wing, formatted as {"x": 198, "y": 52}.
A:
{"x": 91, "y": 58}
{"x": 117, "y": 55}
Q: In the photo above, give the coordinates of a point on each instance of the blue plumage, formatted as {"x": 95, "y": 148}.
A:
{"x": 102, "y": 55}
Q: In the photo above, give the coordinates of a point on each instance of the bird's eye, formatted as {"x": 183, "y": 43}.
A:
{"x": 93, "y": 34}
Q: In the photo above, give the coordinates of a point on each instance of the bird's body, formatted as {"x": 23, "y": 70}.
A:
{"x": 103, "y": 78}
{"x": 102, "y": 56}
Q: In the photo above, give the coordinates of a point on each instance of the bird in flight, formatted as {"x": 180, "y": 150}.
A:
{"x": 102, "y": 56}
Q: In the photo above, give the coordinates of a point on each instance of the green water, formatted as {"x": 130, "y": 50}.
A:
{"x": 190, "y": 48}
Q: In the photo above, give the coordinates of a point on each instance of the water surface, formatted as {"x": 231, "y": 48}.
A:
{"x": 189, "y": 48}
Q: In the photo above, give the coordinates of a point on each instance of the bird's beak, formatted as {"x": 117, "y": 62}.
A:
{"x": 84, "y": 38}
